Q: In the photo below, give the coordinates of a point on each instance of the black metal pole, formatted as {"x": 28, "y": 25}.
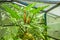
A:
{"x": 45, "y": 30}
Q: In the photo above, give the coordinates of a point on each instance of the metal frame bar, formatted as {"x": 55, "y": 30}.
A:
{"x": 6, "y": 1}
{"x": 53, "y": 38}
{"x": 44, "y": 1}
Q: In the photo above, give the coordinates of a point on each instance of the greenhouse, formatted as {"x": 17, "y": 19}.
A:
{"x": 29, "y": 19}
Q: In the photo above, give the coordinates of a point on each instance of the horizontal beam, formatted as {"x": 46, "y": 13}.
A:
{"x": 5, "y": 1}
{"x": 53, "y": 37}
{"x": 53, "y": 7}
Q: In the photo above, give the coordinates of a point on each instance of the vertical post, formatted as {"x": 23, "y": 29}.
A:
{"x": 45, "y": 16}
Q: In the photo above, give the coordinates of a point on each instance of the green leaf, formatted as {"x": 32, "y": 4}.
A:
{"x": 42, "y": 35}
{"x": 16, "y": 6}
{"x": 30, "y": 6}
{"x": 13, "y": 13}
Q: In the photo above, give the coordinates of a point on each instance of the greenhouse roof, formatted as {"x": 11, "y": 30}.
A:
{"x": 47, "y": 1}
{"x": 54, "y": 12}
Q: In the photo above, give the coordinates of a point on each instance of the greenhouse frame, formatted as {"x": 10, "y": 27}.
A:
{"x": 42, "y": 22}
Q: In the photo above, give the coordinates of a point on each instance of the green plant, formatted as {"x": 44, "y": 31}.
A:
{"x": 28, "y": 25}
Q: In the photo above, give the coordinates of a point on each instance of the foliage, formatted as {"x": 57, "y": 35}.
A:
{"x": 28, "y": 21}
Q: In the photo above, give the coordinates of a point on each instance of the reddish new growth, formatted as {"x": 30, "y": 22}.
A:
{"x": 24, "y": 16}
{"x": 28, "y": 20}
